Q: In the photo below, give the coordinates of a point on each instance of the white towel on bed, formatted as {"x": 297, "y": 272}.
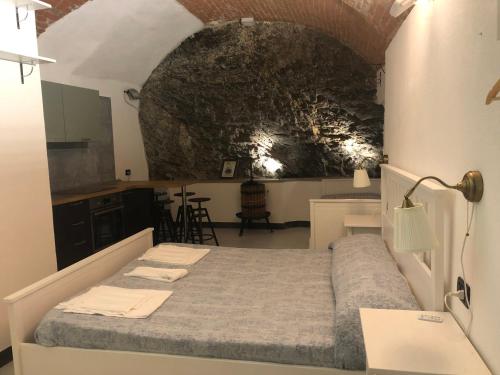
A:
{"x": 172, "y": 254}
{"x": 117, "y": 302}
{"x": 168, "y": 275}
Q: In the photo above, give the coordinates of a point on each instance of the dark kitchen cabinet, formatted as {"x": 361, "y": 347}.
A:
{"x": 73, "y": 234}
{"x": 87, "y": 226}
{"x": 137, "y": 210}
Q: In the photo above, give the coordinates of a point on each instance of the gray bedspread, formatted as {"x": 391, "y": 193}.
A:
{"x": 364, "y": 274}
{"x": 246, "y": 304}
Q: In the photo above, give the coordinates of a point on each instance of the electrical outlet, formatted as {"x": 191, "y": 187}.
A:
{"x": 128, "y": 172}
{"x": 461, "y": 286}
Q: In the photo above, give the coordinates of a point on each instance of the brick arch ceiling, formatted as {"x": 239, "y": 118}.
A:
{"x": 365, "y": 26}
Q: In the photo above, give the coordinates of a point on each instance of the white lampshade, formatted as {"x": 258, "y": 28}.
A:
{"x": 361, "y": 178}
{"x": 412, "y": 231}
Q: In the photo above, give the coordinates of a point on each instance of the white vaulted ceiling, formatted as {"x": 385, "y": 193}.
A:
{"x": 124, "y": 40}
{"x": 118, "y": 40}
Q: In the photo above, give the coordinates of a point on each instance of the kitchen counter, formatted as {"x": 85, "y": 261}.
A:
{"x": 68, "y": 197}
{"x": 119, "y": 186}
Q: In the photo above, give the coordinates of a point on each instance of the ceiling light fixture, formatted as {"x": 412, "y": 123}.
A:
{"x": 400, "y": 6}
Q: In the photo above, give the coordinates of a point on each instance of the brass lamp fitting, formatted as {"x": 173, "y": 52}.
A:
{"x": 471, "y": 186}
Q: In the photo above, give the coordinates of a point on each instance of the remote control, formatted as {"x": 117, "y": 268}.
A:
{"x": 431, "y": 318}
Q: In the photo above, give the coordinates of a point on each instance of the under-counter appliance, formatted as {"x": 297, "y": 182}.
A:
{"x": 106, "y": 215}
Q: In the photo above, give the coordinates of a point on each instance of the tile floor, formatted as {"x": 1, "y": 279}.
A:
{"x": 291, "y": 238}
{"x": 7, "y": 370}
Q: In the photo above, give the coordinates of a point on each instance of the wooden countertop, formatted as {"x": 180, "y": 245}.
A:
{"x": 63, "y": 198}
{"x": 119, "y": 186}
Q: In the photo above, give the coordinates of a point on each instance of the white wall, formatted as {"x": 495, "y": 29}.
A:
{"x": 439, "y": 68}
{"x": 286, "y": 200}
{"x": 112, "y": 48}
{"x": 26, "y": 236}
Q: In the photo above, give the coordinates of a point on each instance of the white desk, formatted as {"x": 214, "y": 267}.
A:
{"x": 397, "y": 342}
{"x": 361, "y": 221}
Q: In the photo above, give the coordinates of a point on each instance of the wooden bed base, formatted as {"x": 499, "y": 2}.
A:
{"x": 28, "y": 306}
{"x": 36, "y": 359}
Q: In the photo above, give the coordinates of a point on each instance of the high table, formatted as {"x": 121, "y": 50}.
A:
{"x": 166, "y": 184}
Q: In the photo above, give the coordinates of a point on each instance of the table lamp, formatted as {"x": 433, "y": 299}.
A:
{"x": 361, "y": 178}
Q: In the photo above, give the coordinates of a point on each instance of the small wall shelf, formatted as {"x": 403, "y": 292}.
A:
{"x": 29, "y": 5}
{"x": 32, "y": 4}
{"x": 24, "y": 60}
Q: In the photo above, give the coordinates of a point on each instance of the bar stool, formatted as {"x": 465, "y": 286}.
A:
{"x": 179, "y": 219}
{"x": 164, "y": 223}
{"x": 197, "y": 216}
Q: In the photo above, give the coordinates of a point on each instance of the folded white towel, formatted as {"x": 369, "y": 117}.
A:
{"x": 172, "y": 254}
{"x": 118, "y": 302}
{"x": 158, "y": 274}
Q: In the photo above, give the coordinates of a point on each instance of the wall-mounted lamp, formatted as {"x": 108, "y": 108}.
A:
{"x": 133, "y": 94}
{"x": 400, "y": 6}
{"x": 361, "y": 179}
{"x": 412, "y": 231}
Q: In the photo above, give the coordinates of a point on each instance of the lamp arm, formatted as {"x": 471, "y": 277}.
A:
{"x": 410, "y": 192}
{"x": 408, "y": 203}
{"x": 471, "y": 186}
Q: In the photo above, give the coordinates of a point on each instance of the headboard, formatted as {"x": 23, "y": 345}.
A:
{"x": 424, "y": 271}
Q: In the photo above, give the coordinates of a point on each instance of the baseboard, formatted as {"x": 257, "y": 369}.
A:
{"x": 298, "y": 224}
{"x": 5, "y": 356}
{"x": 261, "y": 225}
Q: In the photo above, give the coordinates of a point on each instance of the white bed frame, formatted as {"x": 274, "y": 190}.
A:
{"x": 28, "y": 306}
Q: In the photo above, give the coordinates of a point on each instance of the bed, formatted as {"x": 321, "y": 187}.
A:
{"x": 250, "y": 304}
{"x": 309, "y": 334}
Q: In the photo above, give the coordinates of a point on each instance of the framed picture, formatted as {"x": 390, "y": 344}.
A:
{"x": 228, "y": 169}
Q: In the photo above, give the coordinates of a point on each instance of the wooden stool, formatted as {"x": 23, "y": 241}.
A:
{"x": 165, "y": 226}
{"x": 198, "y": 214}
{"x": 248, "y": 220}
{"x": 164, "y": 223}
{"x": 179, "y": 219}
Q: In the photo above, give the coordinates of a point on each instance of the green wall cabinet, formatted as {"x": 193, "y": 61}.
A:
{"x": 53, "y": 112}
{"x": 71, "y": 113}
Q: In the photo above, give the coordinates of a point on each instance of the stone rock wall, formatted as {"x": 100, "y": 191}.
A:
{"x": 295, "y": 100}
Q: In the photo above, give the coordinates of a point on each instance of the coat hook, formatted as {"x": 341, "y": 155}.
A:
{"x": 493, "y": 94}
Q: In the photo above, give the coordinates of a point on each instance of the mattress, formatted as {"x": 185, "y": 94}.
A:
{"x": 266, "y": 305}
